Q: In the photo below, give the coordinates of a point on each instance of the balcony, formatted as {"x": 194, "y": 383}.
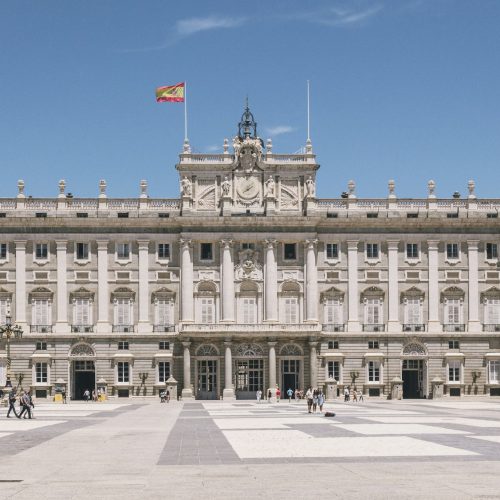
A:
{"x": 41, "y": 328}
{"x": 491, "y": 328}
{"x": 264, "y": 328}
{"x": 374, "y": 328}
{"x": 453, "y": 328}
{"x": 333, "y": 327}
{"x": 82, "y": 328}
{"x": 414, "y": 328}
{"x": 123, "y": 328}
{"x": 163, "y": 328}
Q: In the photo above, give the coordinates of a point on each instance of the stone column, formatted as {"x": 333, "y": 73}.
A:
{"x": 143, "y": 324}
{"x": 62, "y": 299}
{"x": 228, "y": 392}
{"x": 187, "y": 308}
{"x": 103, "y": 324}
{"x": 187, "y": 391}
{"x": 271, "y": 283}
{"x": 474, "y": 324}
{"x": 393, "y": 324}
{"x": 272, "y": 369}
{"x": 227, "y": 281}
{"x": 21, "y": 284}
{"x": 311, "y": 282}
{"x": 352, "y": 272}
{"x": 434, "y": 325}
{"x": 314, "y": 364}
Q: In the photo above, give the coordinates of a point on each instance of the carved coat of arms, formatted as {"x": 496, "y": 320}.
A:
{"x": 248, "y": 267}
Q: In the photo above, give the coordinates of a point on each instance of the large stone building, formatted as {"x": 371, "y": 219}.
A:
{"x": 248, "y": 281}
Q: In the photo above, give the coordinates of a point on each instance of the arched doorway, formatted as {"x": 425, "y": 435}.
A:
{"x": 291, "y": 360}
{"x": 414, "y": 370}
{"x": 207, "y": 356}
{"x": 82, "y": 370}
{"x": 248, "y": 370}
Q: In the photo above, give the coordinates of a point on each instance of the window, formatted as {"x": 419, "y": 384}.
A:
{"x": 494, "y": 371}
{"x": 41, "y": 251}
{"x": 82, "y": 215}
{"x": 82, "y": 251}
{"x": 249, "y": 310}
{"x": 81, "y": 312}
{"x": 41, "y": 372}
{"x": 492, "y": 312}
{"x": 332, "y": 251}
{"x": 163, "y": 371}
{"x": 207, "y": 310}
{"x": 4, "y": 307}
{"x": 334, "y": 370}
{"x": 164, "y": 345}
{"x": 123, "y": 345}
{"x": 123, "y": 251}
{"x": 373, "y": 311}
{"x": 163, "y": 251}
{"x": 291, "y": 310}
{"x": 453, "y": 311}
{"x": 290, "y": 251}
{"x": 333, "y": 344}
{"x": 40, "y": 312}
{"x": 123, "y": 372}
{"x": 492, "y": 215}
{"x": 372, "y": 250}
{"x": 248, "y": 246}
{"x": 373, "y": 344}
{"x": 412, "y": 215}
{"x": 491, "y": 251}
{"x": 372, "y": 215}
{"x": 453, "y": 344}
{"x": 454, "y": 371}
{"x": 206, "y": 251}
{"x": 123, "y": 215}
{"x": 3, "y": 251}
{"x": 412, "y": 250}
{"x": 413, "y": 311}
{"x": 374, "y": 371}
{"x": 333, "y": 312}
{"x": 123, "y": 312}
{"x": 41, "y": 346}
{"x": 164, "y": 312}
{"x": 452, "y": 251}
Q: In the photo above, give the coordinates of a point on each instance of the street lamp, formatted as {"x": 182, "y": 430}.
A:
{"x": 8, "y": 330}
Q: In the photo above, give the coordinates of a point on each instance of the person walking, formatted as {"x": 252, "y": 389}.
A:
{"x": 269, "y": 395}
{"x": 309, "y": 397}
{"x": 12, "y": 403}
{"x": 258, "y": 395}
{"x": 354, "y": 396}
{"x": 321, "y": 401}
{"x": 64, "y": 397}
{"x": 278, "y": 394}
{"x": 297, "y": 395}
{"x": 289, "y": 393}
{"x": 26, "y": 405}
{"x": 360, "y": 397}
{"x": 86, "y": 395}
{"x": 168, "y": 396}
{"x": 346, "y": 394}
{"x": 315, "y": 400}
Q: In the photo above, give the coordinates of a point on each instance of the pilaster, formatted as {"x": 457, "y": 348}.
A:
{"x": 187, "y": 391}
{"x": 434, "y": 325}
{"x": 271, "y": 283}
{"x": 103, "y": 324}
{"x": 21, "y": 283}
{"x": 474, "y": 323}
{"x": 62, "y": 325}
{"x": 228, "y": 300}
{"x": 144, "y": 324}
{"x": 228, "y": 392}
{"x": 353, "y": 324}
{"x": 187, "y": 303}
{"x": 272, "y": 369}
{"x": 311, "y": 282}
{"x": 393, "y": 324}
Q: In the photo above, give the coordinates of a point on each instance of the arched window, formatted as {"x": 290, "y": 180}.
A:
{"x": 206, "y": 295}
{"x": 373, "y": 300}
{"x": 453, "y": 301}
{"x": 248, "y": 300}
{"x": 290, "y": 297}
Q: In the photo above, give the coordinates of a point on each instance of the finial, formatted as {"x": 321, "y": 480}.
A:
{"x": 472, "y": 186}
{"x": 269, "y": 145}
{"x": 102, "y": 189}
{"x": 351, "y": 186}
{"x": 226, "y": 146}
{"x": 247, "y": 127}
{"x": 62, "y": 187}
{"x": 186, "y": 148}
{"x": 20, "y": 189}
{"x": 144, "y": 188}
{"x": 309, "y": 147}
{"x": 431, "y": 185}
{"x": 392, "y": 185}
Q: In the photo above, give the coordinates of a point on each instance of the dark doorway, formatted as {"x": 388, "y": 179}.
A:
{"x": 290, "y": 369}
{"x": 83, "y": 378}
{"x": 413, "y": 378}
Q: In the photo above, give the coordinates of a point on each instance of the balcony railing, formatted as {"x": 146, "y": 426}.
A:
{"x": 414, "y": 328}
{"x": 41, "y": 328}
{"x": 82, "y": 328}
{"x": 123, "y": 328}
{"x": 250, "y": 328}
{"x": 163, "y": 328}
{"x": 453, "y": 328}
{"x": 374, "y": 328}
{"x": 491, "y": 328}
{"x": 333, "y": 327}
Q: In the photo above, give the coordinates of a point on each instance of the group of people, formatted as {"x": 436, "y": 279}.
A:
{"x": 356, "y": 396}
{"x": 87, "y": 395}
{"x": 164, "y": 396}
{"x": 315, "y": 399}
{"x": 26, "y": 404}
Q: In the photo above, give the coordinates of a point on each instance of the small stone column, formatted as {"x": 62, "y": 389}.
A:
{"x": 103, "y": 325}
{"x": 474, "y": 324}
{"x": 396, "y": 388}
{"x": 62, "y": 299}
{"x": 187, "y": 391}
{"x": 434, "y": 324}
{"x": 393, "y": 324}
{"x": 21, "y": 284}
{"x": 228, "y": 392}
{"x": 311, "y": 282}
{"x": 227, "y": 281}
{"x": 352, "y": 272}
{"x": 272, "y": 369}
{"x": 331, "y": 389}
{"x": 187, "y": 309}
{"x": 271, "y": 283}
{"x": 314, "y": 364}
{"x": 437, "y": 388}
{"x": 143, "y": 325}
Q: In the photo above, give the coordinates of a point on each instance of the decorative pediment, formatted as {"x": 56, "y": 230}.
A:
{"x": 163, "y": 293}
{"x": 452, "y": 292}
{"x": 206, "y": 288}
{"x": 207, "y": 350}
{"x": 290, "y": 287}
{"x": 491, "y": 293}
{"x": 81, "y": 293}
{"x": 249, "y": 287}
{"x": 5, "y": 295}
{"x": 82, "y": 350}
{"x": 41, "y": 293}
{"x": 412, "y": 293}
{"x": 332, "y": 293}
{"x": 372, "y": 292}
{"x": 123, "y": 293}
{"x": 414, "y": 348}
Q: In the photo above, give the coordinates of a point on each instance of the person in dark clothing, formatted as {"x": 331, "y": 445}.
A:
{"x": 12, "y": 403}
{"x": 26, "y": 404}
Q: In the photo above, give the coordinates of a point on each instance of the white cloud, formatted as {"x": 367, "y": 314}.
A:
{"x": 344, "y": 17}
{"x": 280, "y": 129}
{"x": 186, "y": 27}
{"x": 213, "y": 148}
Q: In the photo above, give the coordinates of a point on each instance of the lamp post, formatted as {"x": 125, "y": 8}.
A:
{"x": 8, "y": 330}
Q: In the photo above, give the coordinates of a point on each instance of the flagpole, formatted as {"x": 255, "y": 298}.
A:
{"x": 185, "y": 113}
{"x": 308, "y": 115}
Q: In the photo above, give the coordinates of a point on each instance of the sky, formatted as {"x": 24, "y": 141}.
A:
{"x": 400, "y": 89}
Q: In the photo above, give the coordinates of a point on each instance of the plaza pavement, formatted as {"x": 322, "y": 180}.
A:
{"x": 142, "y": 449}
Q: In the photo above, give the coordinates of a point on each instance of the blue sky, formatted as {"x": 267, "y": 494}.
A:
{"x": 403, "y": 89}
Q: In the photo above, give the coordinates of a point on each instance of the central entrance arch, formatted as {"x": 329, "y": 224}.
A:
{"x": 82, "y": 370}
{"x": 414, "y": 370}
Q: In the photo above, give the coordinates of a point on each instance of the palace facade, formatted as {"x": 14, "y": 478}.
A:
{"x": 248, "y": 281}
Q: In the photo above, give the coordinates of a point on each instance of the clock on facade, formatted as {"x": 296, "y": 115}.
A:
{"x": 248, "y": 188}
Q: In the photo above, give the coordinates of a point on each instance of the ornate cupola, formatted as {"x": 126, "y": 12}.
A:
{"x": 247, "y": 125}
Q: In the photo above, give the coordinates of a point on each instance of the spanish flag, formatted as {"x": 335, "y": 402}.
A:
{"x": 173, "y": 93}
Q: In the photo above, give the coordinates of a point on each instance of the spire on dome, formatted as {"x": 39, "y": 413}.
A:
{"x": 247, "y": 128}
